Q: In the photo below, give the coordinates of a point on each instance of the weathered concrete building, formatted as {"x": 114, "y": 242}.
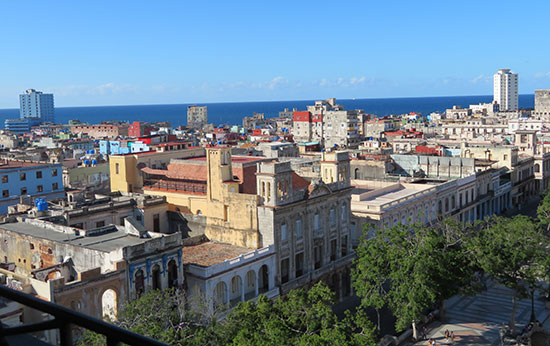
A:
{"x": 542, "y": 103}
{"x": 96, "y": 270}
{"x": 308, "y": 224}
{"x": 222, "y": 274}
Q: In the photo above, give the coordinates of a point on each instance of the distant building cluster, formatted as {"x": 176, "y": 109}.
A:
{"x": 95, "y": 215}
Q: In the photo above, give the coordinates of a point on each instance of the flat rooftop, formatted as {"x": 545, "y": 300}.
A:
{"x": 378, "y": 193}
{"x": 110, "y": 240}
{"x": 4, "y": 165}
{"x": 210, "y": 253}
{"x": 234, "y": 159}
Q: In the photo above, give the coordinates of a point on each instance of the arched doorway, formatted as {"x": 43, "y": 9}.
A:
{"x": 236, "y": 290}
{"x": 139, "y": 285}
{"x": 155, "y": 273}
{"x": 172, "y": 274}
{"x": 109, "y": 304}
{"x": 220, "y": 295}
{"x": 356, "y": 173}
{"x": 250, "y": 285}
{"x": 263, "y": 279}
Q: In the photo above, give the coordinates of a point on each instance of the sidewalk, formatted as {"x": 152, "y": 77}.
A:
{"x": 477, "y": 320}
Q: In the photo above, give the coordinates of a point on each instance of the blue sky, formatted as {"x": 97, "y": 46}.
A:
{"x": 147, "y": 52}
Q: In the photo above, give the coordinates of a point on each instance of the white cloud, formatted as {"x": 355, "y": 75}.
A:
{"x": 542, "y": 75}
{"x": 478, "y": 78}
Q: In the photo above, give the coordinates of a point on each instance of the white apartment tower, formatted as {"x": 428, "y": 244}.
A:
{"x": 36, "y": 105}
{"x": 505, "y": 90}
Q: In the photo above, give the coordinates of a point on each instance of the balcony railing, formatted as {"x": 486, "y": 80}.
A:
{"x": 196, "y": 188}
{"x": 64, "y": 319}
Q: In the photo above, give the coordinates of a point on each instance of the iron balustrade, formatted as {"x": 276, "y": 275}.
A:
{"x": 63, "y": 320}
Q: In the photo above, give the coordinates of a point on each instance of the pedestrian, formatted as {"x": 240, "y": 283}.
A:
{"x": 453, "y": 336}
{"x": 431, "y": 342}
{"x": 424, "y": 333}
{"x": 447, "y": 334}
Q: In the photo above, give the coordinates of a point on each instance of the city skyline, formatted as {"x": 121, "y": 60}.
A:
{"x": 94, "y": 54}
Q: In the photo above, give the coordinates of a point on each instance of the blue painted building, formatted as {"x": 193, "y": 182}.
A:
{"x": 20, "y": 178}
{"x": 36, "y": 105}
{"x": 122, "y": 147}
{"x": 20, "y": 125}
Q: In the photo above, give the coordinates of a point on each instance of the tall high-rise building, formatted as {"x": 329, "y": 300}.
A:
{"x": 37, "y": 105}
{"x": 505, "y": 89}
{"x": 197, "y": 116}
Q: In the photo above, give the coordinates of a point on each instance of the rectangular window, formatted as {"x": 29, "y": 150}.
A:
{"x": 122, "y": 221}
{"x": 284, "y": 270}
{"x": 78, "y": 225}
{"x": 332, "y": 217}
{"x": 333, "y": 250}
{"x": 99, "y": 224}
{"x": 116, "y": 168}
{"x": 55, "y": 186}
{"x": 344, "y": 246}
{"x": 344, "y": 212}
{"x": 283, "y": 232}
{"x": 5, "y": 193}
{"x": 22, "y": 176}
{"x": 316, "y": 222}
{"x": 4, "y": 178}
{"x": 318, "y": 256}
{"x": 23, "y": 190}
{"x": 298, "y": 228}
{"x": 156, "y": 223}
{"x": 54, "y": 172}
{"x": 138, "y": 217}
{"x": 39, "y": 188}
{"x": 299, "y": 264}
{"x": 38, "y": 174}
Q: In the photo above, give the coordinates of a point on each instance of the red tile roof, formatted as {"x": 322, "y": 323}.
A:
{"x": 211, "y": 253}
{"x": 299, "y": 183}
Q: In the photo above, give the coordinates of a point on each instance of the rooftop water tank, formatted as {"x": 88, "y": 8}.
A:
{"x": 86, "y": 162}
{"x": 94, "y": 162}
{"x": 41, "y": 204}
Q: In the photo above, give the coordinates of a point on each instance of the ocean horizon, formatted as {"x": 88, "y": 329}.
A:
{"x": 232, "y": 112}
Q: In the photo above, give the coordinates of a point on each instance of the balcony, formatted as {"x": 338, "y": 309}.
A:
{"x": 63, "y": 320}
{"x": 175, "y": 186}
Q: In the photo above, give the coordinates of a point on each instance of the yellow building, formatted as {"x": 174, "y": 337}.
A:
{"x": 197, "y": 185}
{"x": 125, "y": 169}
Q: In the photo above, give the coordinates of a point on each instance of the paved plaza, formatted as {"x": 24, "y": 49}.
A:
{"x": 477, "y": 320}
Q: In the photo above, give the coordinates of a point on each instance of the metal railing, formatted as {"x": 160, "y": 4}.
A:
{"x": 175, "y": 185}
{"x": 64, "y": 320}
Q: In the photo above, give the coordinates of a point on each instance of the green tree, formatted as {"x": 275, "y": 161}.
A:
{"x": 510, "y": 250}
{"x": 543, "y": 211}
{"x": 408, "y": 268}
{"x": 302, "y": 317}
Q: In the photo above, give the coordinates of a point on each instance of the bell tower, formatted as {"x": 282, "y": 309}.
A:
{"x": 274, "y": 183}
{"x": 219, "y": 170}
{"x": 335, "y": 169}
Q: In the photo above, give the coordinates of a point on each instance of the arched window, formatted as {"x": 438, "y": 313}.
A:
{"x": 155, "y": 273}
{"x": 220, "y": 294}
{"x": 356, "y": 173}
{"x": 139, "y": 283}
{"x": 172, "y": 274}
{"x": 250, "y": 285}
{"x": 263, "y": 279}
{"x": 109, "y": 304}
{"x": 537, "y": 168}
